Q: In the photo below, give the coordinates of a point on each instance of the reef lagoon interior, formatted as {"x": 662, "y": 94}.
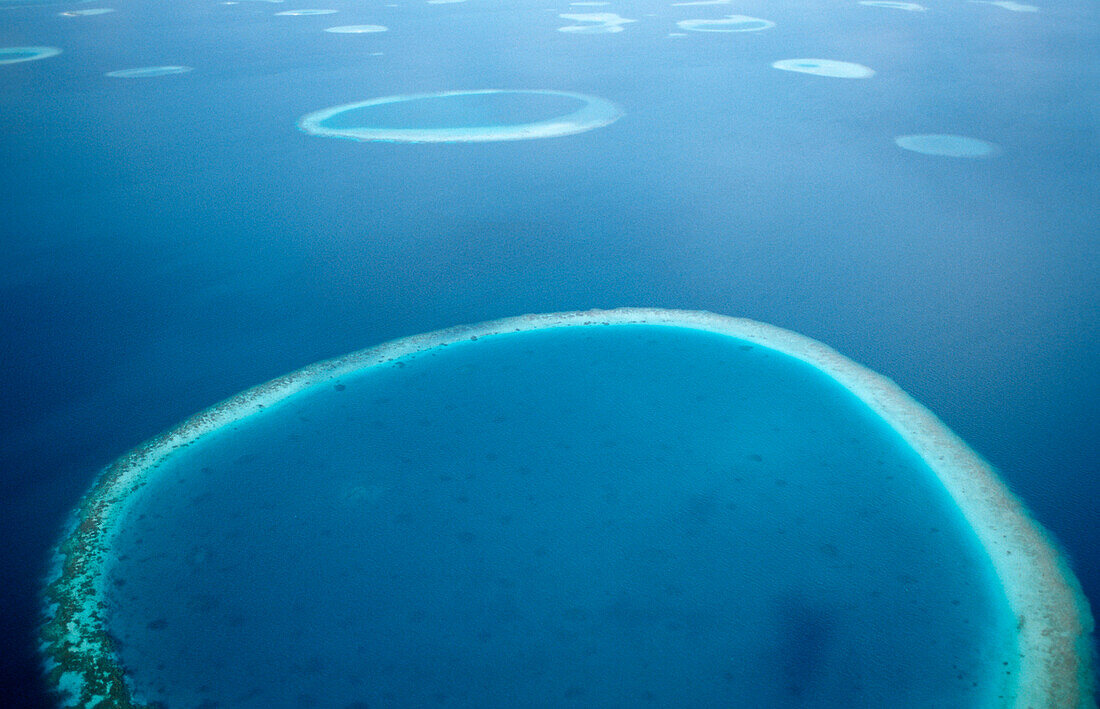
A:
{"x": 915, "y": 185}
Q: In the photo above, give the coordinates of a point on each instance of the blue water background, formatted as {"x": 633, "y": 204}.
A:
{"x": 171, "y": 241}
{"x": 609, "y": 516}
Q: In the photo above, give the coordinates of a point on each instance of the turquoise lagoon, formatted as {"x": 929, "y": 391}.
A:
{"x": 607, "y": 509}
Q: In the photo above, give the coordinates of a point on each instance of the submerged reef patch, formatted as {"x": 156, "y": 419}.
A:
{"x": 14, "y": 55}
{"x": 86, "y": 13}
{"x": 910, "y": 6}
{"x": 1008, "y": 5}
{"x": 598, "y": 23}
{"x": 305, "y": 13}
{"x": 146, "y": 72}
{"x": 1053, "y": 623}
{"x": 953, "y": 146}
{"x": 357, "y": 29}
{"x": 825, "y": 67}
{"x": 731, "y": 23}
{"x": 461, "y": 116}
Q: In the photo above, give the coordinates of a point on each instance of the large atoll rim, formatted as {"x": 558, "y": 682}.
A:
{"x": 14, "y": 55}
{"x": 588, "y": 112}
{"x": 731, "y": 23}
{"x": 953, "y": 146}
{"x": 1053, "y": 621}
{"x": 825, "y": 67}
{"x": 147, "y": 72}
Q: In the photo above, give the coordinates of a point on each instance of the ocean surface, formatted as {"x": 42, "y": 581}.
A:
{"x": 170, "y": 240}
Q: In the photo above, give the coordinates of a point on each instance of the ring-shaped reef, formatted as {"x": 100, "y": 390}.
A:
{"x": 946, "y": 145}
{"x": 357, "y": 29}
{"x": 463, "y": 116}
{"x": 14, "y": 55}
{"x": 731, "y": 23}
{"x": 825, "y": 67}
{"x": 147, "y": 72}
{"x": 715, "y": 510}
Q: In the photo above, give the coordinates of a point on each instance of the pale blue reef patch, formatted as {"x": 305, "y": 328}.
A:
{"x": 303, "y": 13}
{"x": 826, "y": 67}
{"x": 592, "y": 112}
{"x": 13, "y": 4}
{"x": 955, "y": 146}
{"x": 357, "y": 29}
{"x": 14, "y": 55}
{"x": 1008, "y": 5}
{"x": 600, "y": 23}
{"x": 147, "y": 72}
{"x": 701, "y": 2}
{"x": 86, "y": 13}
{"x": 910, "y": 6}
{"x": 731, "y": 23}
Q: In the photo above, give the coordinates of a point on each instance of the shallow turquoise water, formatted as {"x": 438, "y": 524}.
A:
{"x": 609, "y": 515}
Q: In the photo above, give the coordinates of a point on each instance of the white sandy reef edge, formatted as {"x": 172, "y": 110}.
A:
{"x": 595, "y": 113}
{"x": 1053, "y": 619}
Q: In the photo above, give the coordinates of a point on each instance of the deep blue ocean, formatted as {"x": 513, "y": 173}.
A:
{"x": 172, "y": 240}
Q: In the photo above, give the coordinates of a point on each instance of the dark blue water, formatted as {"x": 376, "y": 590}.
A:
{"x": 616, "y": 516}
{"x": 169, "y": 242}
